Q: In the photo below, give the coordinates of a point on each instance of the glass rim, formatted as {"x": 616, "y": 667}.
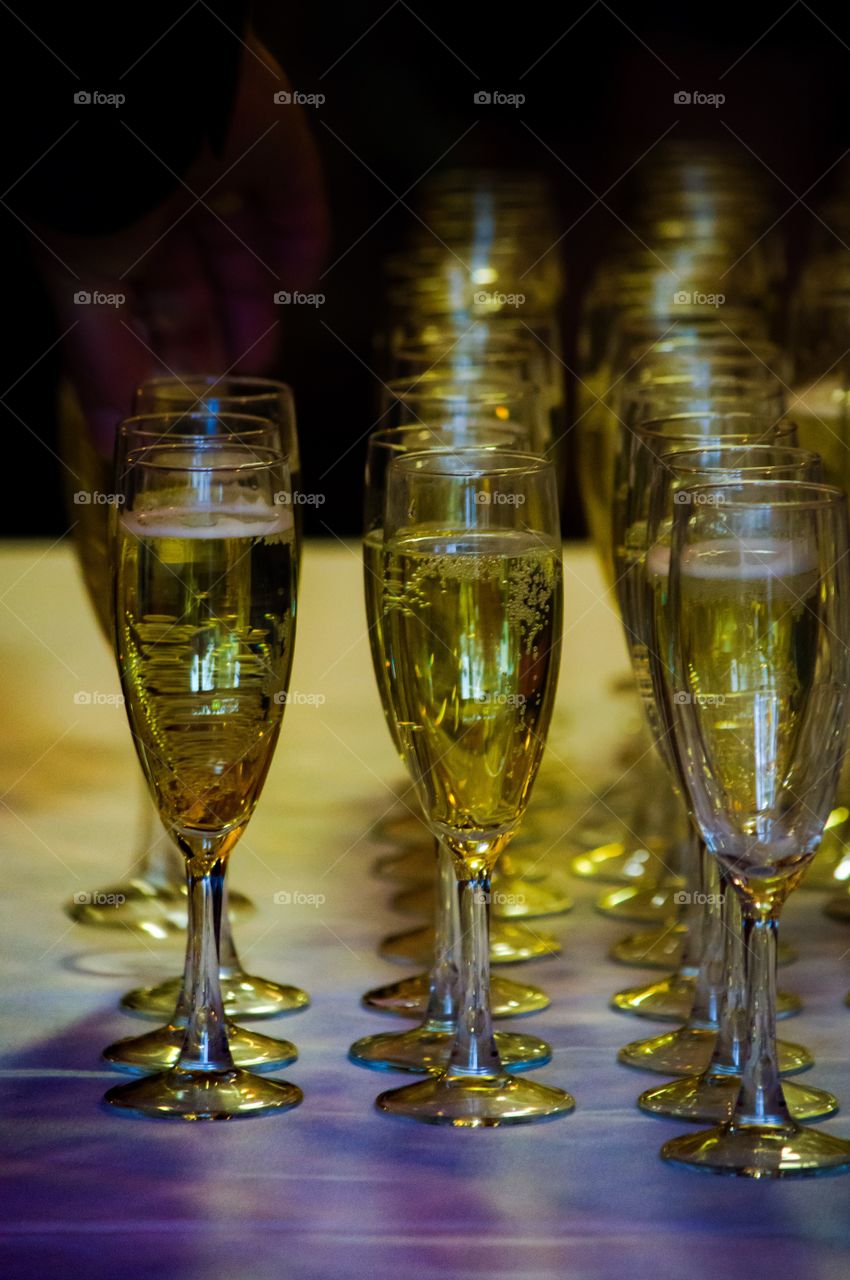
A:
{"x": 648, "y": 426}
{"x": 822, "y": 495}
{"x": 141, "y": 457}
{"x": 128, "y": 426}
{"x": 675, "y": 458}
{"x": 261, "y": 387}
{"x": 532, "y": 463}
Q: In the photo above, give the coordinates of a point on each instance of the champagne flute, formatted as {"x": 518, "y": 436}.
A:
{"x": 760, "y": 628}
{"x": 433, "y": 995}
{"x": 471, "y": 617}
{"x": 206, "y": 404}
{"x": 712, "y": 1095}
{"x": 205, "y": 590}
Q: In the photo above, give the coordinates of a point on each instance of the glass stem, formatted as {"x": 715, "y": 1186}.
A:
{"x": 474, "y": 1051}
{"x": 761, "y": 1100}
{"x": 708, "y": 993}
{"x": 691, "y": 868}
{"x": 205, "y": 1046}
{"x": 229, "y": 963}
{"x": 728, "y": 1056}
{"x": 441, "y": 1011}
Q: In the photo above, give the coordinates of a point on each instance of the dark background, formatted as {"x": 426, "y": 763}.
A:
{"x": 399, "y": 79}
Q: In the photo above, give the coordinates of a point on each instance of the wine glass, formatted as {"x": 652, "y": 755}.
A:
{"x": 711, "y": 1096}
{"x": 760, "y": 624}
{"x": 433, "y": 995}
{"x": 205, "y": 591}
{"x": 453, "y": 402}
{"x": 471, "y": 619}
{"x": 205, "y": 404}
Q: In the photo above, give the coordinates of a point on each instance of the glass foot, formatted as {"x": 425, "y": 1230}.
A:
{"x": 644, "y": 905}
{"x": 160, "y": 1049}
{"x": 616, "y": 863}
{"x": 711, "y": 1099}
{"x": 202, "y": 1095}
{"x": 244, "y": 995}
{"x": 409, "y": 998}
{"x": 154, "y": 911}
{"x": 509, "y": 944}
{"x": 760, "y": 1151}
{"x": 655, "y": 949}
{"x": 663, "y": 948}
{"x": 687, "y": 1052}
{"x": 473, "y": 1102}
{"x": 428, "y": 1048}
{"x": 671, "y": 1000}
{"x": 415, "y": 865}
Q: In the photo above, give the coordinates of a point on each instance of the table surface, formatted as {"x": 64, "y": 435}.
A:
{"x": 334, "y": 1189}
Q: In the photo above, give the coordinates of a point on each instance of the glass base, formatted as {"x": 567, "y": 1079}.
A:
{"x": 244, "y": 995}
{"x": 616, "y": 863}
{"x": 760, "y": 1151}
{"x": 202, "y": 1095}
{"x": 476, "y": 1102}
{"x": 512, "y": 899}
{"x": 655, "y": 949}
{"x": 429, "y": 1049}
{"x": 688, "y": 1051}
{"x": 711, "y": 1099}
{"x": 663, "y": 948}
{"x": 409, "y": 998}
{"x": 671, "y": 1000}
{"x": 509, "y": 944}
{"x": 154, "y": 911}
{"x": 643, "y": 905}
{"x": 413, "y": 865}
{"x": 158, "y": 1050}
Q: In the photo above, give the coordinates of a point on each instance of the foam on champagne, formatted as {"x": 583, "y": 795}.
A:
{"x": 241, "y": 520}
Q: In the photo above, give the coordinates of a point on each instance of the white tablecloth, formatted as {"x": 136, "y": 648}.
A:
{"x": 334, "y": 1189}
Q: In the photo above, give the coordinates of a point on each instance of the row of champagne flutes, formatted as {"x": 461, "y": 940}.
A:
{"x": 724, "y": 549}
